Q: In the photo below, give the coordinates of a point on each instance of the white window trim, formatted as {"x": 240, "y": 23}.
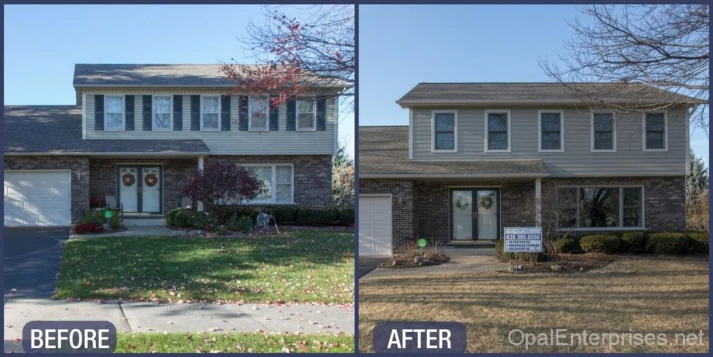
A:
{"x": 123, "y": 111}
{"x": 591, "y": 132}
{"x": 433, "y": 130}
{"x": 621, "y": 208}
{"x": 273, "y": 184}
{"x": 314, "y": 114}
{"x": 250, "y": 115}
{"x": 539, "y": 130}
{"x": 153, "y": 111}
{"x": 665, "y": 131}
{"x": 219, "y": 112}
{"x": 487, "y": 124}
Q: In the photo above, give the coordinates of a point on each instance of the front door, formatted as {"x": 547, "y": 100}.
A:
{"x": 140, "y": 188}
{"x": 475, "y": 214}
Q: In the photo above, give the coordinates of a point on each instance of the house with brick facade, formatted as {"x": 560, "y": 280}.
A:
{"x": 138, "y": 131}
{"x": 478, "y": 157}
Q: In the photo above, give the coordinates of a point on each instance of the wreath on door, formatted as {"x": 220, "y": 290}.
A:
{"x": 128, "y": 179}
{"x": 151, "y": 180}
{"x": 486, "y": 202}
{"x": 461, "y": 203}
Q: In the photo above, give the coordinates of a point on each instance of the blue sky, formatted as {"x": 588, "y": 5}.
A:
{"x": 43, "y": 42}
{"x": 400, "y": 46}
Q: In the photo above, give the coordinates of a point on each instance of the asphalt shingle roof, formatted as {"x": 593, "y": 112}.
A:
{"x": 383, "y": 150}
{"x": 542, "y": 92}
{"x": 58, "y": 129}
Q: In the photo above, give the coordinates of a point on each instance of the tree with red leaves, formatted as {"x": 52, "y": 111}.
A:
{"x": 298, "y": 55}
{"x": 222, "y": 183}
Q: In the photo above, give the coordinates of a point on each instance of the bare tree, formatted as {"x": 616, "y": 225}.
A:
{"x": 662, "y": 46}
{"x": 299, "y": 54}
{"x": 555, "y": 218}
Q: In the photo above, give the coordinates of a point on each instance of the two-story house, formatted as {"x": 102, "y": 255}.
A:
{"x": 477, "y": 157}
{"x": 138, "y": 131}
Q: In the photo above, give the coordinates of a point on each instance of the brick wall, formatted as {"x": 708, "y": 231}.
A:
{"x": 402, "y": 206}
{"x": 312, "y": 175}
{"x": 79, "y": 167}
{"x": 103, "y": 174}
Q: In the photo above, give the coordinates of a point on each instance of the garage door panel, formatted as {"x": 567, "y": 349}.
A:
{"x": 375, "y": 225}
{"x": 37, "y": 198}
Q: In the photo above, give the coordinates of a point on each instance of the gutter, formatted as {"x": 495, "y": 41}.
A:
{"x": 415, "y": 102}
{"x": 74, "y": 153}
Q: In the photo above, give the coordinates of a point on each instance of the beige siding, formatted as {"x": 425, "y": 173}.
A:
{"x": 233, "y": 142}
{"x": 577, "y": 158}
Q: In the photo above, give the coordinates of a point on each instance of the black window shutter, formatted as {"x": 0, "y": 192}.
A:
{"x": 321, "y": 114}
{"x": 147, "y": 105}
{"x": 243, "y": 113}
{"x": 225, "y": 113}
{"x": 291, "y": 113}
{"x": 195, "y": 112}
{"x": 177, "y": 112}
{"x": 274, "y": 113}
{"x": 98, "y": 112}
{"x": 129, "y": 104}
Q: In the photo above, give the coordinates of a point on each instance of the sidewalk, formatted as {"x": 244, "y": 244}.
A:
{"x": 139, "y": 317}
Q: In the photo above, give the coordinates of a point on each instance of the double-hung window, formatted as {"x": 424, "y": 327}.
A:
{"x": 162, "y": 112}
{"x": 603, "y": 132}
{"x": 210, "y": 113}
{"x": 445, "y": 131}
{"x": 259, "y": 112}
{"x": 551, "y": 131}
{"x": 306, "y": 114}
{"x": 600, "y": 207}
{"x": 114, "y": 112}
{"x": 655, "y": 135}
{"x": 278, "y": 183}
{"x": 497, "y": 130}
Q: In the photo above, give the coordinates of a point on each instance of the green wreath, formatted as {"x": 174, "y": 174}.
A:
{"x": 461, "y": 204}
{"x": 128, "y": 179}
{"x": 486, "y": 202}
{"x": 150, "y": 180}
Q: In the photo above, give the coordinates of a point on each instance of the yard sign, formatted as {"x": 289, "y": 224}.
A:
{"x": 523, "y": 240}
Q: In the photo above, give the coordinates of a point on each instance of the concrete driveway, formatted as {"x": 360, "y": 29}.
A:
{"x": 32, "y": 258}
{"x": 367, "y": 264}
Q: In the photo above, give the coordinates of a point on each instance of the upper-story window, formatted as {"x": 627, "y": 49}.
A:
{"x": 114, "y": 112}
{"x": 259, "y": 110}
{"x": 603, "y": 132}
{"x": 445, "y": 131}
{"x": 210, "y": 113}
{"x": 162, "y": 112}
{"x": 497, "y": 130}
{"x": 306, "y": 114}
{"x": 655, "y": 135}
{"x": 551, "y": 130}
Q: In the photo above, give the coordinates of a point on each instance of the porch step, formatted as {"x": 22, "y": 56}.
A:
{"x": 144, "y": 221}
{"x": 470, "y": 244}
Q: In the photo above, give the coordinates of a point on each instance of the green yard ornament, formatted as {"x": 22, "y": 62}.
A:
{"x": 108, "y": 214}
{"x": 422, "y": 242}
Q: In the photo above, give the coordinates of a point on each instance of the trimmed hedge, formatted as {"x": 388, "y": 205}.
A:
{"x": 569, "y": 244}
{"x": 698, "y": 241}
{"x": 600, "y": 243}
{"x": 667, "y": 243}
{"x": 632, "y": 241}
{"x": 171, "y": 214}
{"x": 183, "y": 219}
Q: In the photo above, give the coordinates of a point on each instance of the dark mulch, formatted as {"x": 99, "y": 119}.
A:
{"x": 407, "y": 262}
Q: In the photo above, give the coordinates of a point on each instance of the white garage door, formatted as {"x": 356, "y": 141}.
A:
{"x": 37, "y": 198}
{"x": 374, "y": 225}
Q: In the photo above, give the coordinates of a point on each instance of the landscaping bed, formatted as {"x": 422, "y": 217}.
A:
{"x": 295, "y": 266}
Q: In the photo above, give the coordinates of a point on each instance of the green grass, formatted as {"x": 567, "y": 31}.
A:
{"x": 233, "y": 343}
{"x": 295, "y": 266}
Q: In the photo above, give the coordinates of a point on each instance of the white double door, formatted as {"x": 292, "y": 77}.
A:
{"x": 475, "y": 214}
{"x": 140, "y": 188}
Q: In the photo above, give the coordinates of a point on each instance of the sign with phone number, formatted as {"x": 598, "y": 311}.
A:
{"x": 523, "y": 240}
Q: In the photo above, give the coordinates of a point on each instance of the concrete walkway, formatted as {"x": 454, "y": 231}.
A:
{"x": 141, "y": 317}
{"x": 457, "y": 265}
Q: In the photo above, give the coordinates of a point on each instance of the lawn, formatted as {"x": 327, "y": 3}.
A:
{"x": 295, "y": 266}
{"x": 628, "y": 296}
{"x": 232, "y": 343}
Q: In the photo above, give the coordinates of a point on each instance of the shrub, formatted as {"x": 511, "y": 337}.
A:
{"x": 247, "y": 212}
{"x": 88, "y": 228}
{"x": 171, "y": 214}
{"x": 667, "y": 243}
{"x": 569, "y": 245}
{"x": 525, "y": 257}
{"x": 115, "y": 221}
{"x": 285, "y": 215}
{"x": 632, "y": 241}
{"x": 245, "y": 224}
{"x": 183, "y": 219}
{"x": 232, "y": 223}
{"x": 698, "y": 242}
{"x": 600, "y": 243}
{"x": 345, "y": 216}
{"x": 92, "y": 216}
{"x": 220, "y": 183}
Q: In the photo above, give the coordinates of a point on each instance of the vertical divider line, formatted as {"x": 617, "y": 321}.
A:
{"x": 356, "y": 178}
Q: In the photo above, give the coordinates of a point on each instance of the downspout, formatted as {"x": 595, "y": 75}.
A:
{"x": 201, "y": 162}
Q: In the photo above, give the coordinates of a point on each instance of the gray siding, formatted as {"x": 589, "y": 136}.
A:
{"x": 233, "y": 142}
{"x": 577, "y": 158}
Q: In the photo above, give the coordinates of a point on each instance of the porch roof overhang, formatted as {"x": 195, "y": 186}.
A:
{"x": 456, "y": 176}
